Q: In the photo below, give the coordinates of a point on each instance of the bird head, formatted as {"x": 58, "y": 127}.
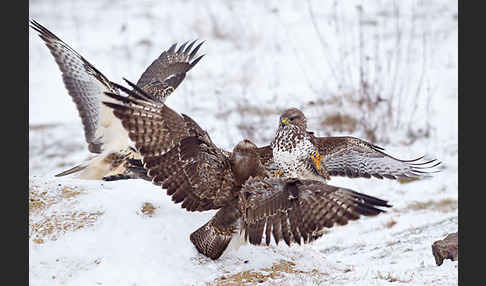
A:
{"x": 245, "y": 161}
{"x": 293, "y": 116}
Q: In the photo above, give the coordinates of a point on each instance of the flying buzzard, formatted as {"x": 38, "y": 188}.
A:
{"x": 104, "y": 134}
{"x": 296, "y": 152}
{"x": 180, "y": 157}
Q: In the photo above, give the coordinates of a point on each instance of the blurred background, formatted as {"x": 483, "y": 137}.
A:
{"x": 385, "y": 71}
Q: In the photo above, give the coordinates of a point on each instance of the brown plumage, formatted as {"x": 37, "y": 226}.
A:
{"x": 293, "y": 150}
{"x": 166, "y": 72}
{"x": 337, "y": 156}
{"x": 180, "y": 157}
{"x": 297, "y": 210}
{"x": 86, "y": 85}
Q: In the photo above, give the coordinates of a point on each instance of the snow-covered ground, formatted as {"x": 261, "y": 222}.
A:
{"x": 261, "y": 57}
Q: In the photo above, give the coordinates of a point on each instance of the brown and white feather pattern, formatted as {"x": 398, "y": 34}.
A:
{"x": 292, "y": 149}
{"x": 103, "y": 131}
{"x": 353, "y": 157}
{"x": 166, "y": 72}
{"x": 202, "y": 176}
{"x": 86, "y": 86}
{"x": 341, "y": 156}
{"x": 298, "y": 210}
{"x": 213, "y": 238}
{"x": 177, "y": 153}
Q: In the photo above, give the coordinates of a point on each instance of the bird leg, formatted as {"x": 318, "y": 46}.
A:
{"x": 321, "y": 169}
{"x": 278, "y": 173}
{"x": 317, "y": 159}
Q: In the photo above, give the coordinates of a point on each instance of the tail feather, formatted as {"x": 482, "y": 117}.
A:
{"x": 213, "y": 238}
{"x": 209, "y": 242}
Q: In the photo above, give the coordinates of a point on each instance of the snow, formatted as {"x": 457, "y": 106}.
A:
{"x": 261, "y": 57}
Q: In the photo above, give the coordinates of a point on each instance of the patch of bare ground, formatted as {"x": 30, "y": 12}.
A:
{"x": 148, "y": 209}
{"x": 390, "y": 223}
{"x": 407, "y": 180}
{"x": 278, "y": 270}
{"x": 443, "y": 205}
{"x": 53, "y": 226}
{"x": 50, "y": 225}
{"x": 40, "y": 198}
{"x": 340, "y": 122}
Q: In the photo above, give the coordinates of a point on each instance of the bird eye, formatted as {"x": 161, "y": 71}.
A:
{"x": 292, "y": 118}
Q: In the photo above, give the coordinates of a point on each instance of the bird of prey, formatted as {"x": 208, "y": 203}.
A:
{"x": 252, "y": 203}
{"x": 296, "y": 152}
{"x": 106, "y": 138}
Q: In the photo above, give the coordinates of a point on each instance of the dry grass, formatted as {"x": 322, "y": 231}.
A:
{"x": 148, "y": 209}
{"x": 278, "y": 270}
{"x": 407, "y": 180}
{"x": 340, "y": 122}
{"x": 53, "y": 226}
{"x": 41, "y": 199}
{"x": 444, "y": 205}
{"x": 390, "y": 223}
{"x": 46, "y": 224}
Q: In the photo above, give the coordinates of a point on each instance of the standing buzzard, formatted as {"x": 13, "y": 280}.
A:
{"x": 296, "y": 152}
{"x": 86, "y": 85}
{"x": 180, "y": 156}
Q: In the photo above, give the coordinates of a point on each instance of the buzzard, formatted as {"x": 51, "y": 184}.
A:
{"x": 252, "y": 203}
{"x": 297, "y": 152}
{"x": 106, "y": 138}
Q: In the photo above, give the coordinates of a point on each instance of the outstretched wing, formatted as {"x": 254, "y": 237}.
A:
{"x": 166, "y": 72}
{"x": 265, "y": 154}
{"x": 297, "y": 210}
{"x": 177, "y": 153}
{"x": 353, "y": 157}
{"x": 85, "y": 84}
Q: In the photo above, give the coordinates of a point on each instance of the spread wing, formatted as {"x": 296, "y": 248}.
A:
{"x": 265, "y": 154}
{"x": 297, "y": 210}
{"x": 166, "y": 72}
{"x": 177, "y": 153}
{"x": 353, "y": 157}
{"x": 85, "y": 84}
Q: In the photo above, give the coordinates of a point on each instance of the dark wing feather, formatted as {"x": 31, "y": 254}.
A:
{"x": 353, "y": 157}
{"x": 298, "y": 210}
{"x": 166, "y": 72}
{"x": 177, "y": 153}
{"x": 266, "y": 156}
{"x": 85, "y": 84}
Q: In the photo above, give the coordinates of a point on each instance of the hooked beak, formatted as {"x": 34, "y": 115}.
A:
{"x": 283, "y": 122}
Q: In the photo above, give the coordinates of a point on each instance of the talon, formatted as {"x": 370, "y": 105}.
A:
{"x": 278, "y": 173}
{"x": 317, "y": 159}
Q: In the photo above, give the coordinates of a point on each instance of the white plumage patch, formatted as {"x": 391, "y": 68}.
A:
{"x": 291, "y": 153}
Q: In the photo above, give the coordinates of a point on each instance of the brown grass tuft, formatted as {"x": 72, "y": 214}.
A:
{"x": 41, "y": 199}
{"x": 444, "y": 205}
{"x": 53, "y": 226}
{"x": 390, "y": 223}
{"x": 148, "y": 209}
{"x": 278, "y": 270}
{"x": 340, "y": 122}
{"x": 48, "y": 224}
